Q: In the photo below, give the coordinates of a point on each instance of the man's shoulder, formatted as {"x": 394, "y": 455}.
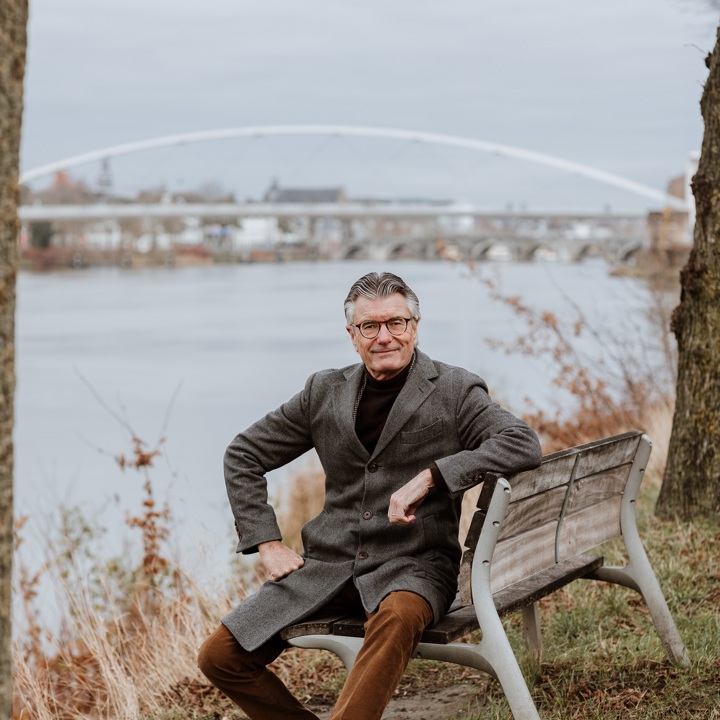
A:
{"x": 447, "y": 371}
{"x": 333, "y": 375}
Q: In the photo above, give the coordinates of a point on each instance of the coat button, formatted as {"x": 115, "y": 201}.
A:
{"x": 372, "y": 467}
{"x": 362, "y": 555}
{"x": 367, "y": 515}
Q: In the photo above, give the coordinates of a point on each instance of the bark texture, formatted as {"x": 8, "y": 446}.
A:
{"x": 691, "y": 486}
{"x": 13, "y": 41}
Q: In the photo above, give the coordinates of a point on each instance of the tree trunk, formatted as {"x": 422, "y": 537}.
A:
{"x": 13, "y": 41}
{"x": 691, "y": 486}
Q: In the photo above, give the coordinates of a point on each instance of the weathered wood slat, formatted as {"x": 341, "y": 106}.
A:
{"x": 321, "y": 625}
{"x": 594, "y": 446}
{"x": 607, "y": 456}
{"x": 532, "y": 512}
{"x": 523, "y": 555}
{"x": 556, "y": 468}
{"x": 550, "y": 474}
{"x": 535, "y": 587}
{"x": 588, "y": 528}
{"x": 478, "y": 519}
{"x": 454, "y": 625}
{"x": 465, "y": 578}
{"x": 597, "y": 488}
{"x": 350, "y": 627}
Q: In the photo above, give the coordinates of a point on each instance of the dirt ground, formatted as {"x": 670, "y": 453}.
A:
{"x": 431, "y": 704}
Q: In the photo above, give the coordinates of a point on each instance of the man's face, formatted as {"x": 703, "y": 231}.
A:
{"x": 386, "y": 355}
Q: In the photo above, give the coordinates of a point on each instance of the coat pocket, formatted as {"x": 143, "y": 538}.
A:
{"x": 413, "y": 437}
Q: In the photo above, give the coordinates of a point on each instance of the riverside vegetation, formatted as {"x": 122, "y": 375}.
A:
{"x": 128, "y": 634}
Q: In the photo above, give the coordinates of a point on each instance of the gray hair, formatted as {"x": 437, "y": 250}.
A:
{"x": 380, "y": 285}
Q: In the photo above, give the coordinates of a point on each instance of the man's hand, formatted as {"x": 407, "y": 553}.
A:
{"x": 278, "y": 559}
{"x": 405, "y": 501}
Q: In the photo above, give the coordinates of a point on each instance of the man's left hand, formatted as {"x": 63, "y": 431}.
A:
{"x": 405, "y": 501}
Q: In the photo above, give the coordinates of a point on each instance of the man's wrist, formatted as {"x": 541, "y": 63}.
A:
{"x": 268, "y": 545}
{"x": 438, "y": 481}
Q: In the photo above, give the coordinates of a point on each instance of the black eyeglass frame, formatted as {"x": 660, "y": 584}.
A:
{"x": 385, "y": 323}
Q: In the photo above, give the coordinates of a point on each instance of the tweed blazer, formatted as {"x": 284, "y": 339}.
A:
{"x": 443, "y": 414}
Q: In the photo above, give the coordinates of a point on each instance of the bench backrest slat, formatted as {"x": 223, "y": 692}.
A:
{"x": 589, "y": 528}
{"x": 608, "y": 454}
{"x": 596, "y": 488}
{"x": 523, "y": 555}
{"x": 551, "y": 474}
{"x": 533, "y": 511}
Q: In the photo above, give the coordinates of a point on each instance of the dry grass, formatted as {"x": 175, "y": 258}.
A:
{"x": 119, "y": 626}
{"x": 126, "y": 643}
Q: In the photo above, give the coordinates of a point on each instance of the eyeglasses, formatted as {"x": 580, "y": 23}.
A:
{"x": 371, "y": 329}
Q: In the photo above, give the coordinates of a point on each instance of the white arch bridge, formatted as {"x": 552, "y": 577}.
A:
{"x": 426, "y": 222}
{"x": 361, "y": 131}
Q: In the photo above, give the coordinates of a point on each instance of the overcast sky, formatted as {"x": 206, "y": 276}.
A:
{"x": 613, "y": 84}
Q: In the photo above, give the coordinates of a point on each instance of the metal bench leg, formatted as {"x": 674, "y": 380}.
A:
{"x": 531, "y": 628}
{"x": 640, "y": 577}
{"x": 493, "y": 655}
{"x": 638, "y": 574}
{"x": 346, "y": 648}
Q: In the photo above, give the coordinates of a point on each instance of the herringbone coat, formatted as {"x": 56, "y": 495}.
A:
{"x": 442, "y": 414}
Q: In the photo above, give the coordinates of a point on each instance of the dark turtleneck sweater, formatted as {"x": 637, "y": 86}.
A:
{"x": 374, "y": 408}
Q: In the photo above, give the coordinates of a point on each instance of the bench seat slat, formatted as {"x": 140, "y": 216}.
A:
{"x": 321, "y": 625}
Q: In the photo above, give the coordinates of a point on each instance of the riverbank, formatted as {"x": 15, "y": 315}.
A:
{"x": 79, "y": 257}
{"x": 642, "y": 264}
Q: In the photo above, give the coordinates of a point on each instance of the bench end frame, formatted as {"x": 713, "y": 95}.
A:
{"x": 638, "y": 573}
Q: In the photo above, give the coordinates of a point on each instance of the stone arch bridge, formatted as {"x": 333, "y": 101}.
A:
{"x": 615, "y": 250}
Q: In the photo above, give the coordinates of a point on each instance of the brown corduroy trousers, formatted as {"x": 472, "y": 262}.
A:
{"x": 392, "y": 633}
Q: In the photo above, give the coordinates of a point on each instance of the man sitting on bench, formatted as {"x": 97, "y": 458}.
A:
{"x": 400, "y": 438}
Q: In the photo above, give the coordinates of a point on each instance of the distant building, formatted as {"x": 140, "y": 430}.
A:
{"x": 276, "y": 194}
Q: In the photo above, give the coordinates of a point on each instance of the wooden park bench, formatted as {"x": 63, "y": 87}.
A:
{"x": 529, "y": 536}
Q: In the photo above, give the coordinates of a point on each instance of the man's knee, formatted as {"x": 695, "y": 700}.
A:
{"x": 221, "y": 658}
{"x": 405, "y": 611}
{"x": 213, "y": 653}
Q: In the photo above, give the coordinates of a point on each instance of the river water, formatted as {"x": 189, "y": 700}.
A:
{"x": 237, "y": 340}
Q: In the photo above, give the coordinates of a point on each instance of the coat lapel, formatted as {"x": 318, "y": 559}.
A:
{"x": 415, "y": 392}
{"x": 344, "y": 398}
